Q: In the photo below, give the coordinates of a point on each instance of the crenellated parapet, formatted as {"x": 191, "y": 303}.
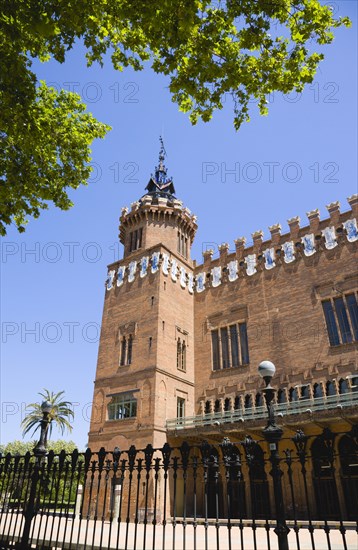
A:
{"x": 157, "y": 209}
{"x": 288, "y": 248}
{"x": 300, "y": 242}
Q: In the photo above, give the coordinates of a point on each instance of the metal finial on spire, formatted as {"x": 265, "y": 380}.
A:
{"x": 159, "y": 183}
{"x": 160, "y": 170}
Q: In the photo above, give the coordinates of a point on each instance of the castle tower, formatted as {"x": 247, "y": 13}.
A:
{"x": 145, "y": 369}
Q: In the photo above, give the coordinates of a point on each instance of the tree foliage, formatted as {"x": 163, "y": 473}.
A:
{"x": 18, "y": 447}
{"x": 61, "y": 414}
{"x": 245, "y": 48}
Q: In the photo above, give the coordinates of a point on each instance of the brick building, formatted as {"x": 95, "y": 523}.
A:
{"x": 181, "y": 342}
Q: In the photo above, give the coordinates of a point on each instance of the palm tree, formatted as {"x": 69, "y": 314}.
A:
{"x": 61, "y": 414}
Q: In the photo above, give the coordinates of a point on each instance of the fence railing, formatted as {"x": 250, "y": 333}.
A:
{"x": 260, "y": 413}
{"x": 189, "y": 497}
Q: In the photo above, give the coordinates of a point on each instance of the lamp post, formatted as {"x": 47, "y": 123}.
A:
{"x": 40, "y": 449}
{"x": 273, "y": 433}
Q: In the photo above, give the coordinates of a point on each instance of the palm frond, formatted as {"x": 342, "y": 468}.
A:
{"x": 61, "y": 413}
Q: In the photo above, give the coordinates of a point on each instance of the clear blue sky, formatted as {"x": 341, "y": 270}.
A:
{"x": 52, "y": 297}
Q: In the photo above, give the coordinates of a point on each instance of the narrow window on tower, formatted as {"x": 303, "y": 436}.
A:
{"x": 123, "y": 351}
{"x": 178, "y": 353}
{"x": 183, "y": 357}
{"x": 130, "y": 347}
{"x": 126, "y": 352}
{"x": 135, "y": 239}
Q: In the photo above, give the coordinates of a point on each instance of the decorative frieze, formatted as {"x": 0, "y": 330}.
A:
{"x": 248, "y": 264}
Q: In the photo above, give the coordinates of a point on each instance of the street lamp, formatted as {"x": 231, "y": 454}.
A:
{"x": 266, "y": 371}
{"x": 40, "y": 449}
{"x": 273, "y": 433}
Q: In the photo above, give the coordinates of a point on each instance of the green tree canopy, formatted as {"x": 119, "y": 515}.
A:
{"x": 22, "y": 447}
{"x": 61, "y": 414}
{"x": 245, "y": 48}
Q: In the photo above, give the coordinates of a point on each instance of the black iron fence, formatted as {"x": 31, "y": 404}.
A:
{"x": 219, "y": 497}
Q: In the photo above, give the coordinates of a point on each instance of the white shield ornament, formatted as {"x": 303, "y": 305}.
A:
{"x": 269, "y": 255}
{"x": 216, "y": 276}
{"x": 155, "y": 262}
{"x": 232, "y": 268}
{"x": 182, "y": 277}
{"x": 289, "y": 252}
{"x": 132, "y": 268}
{"x": 330, "y": 237}
{"x": 120, "y": 275}
{"x": 200, "y": 282}
{"x": 143, "y": 266}
{"x": 351, "y": 227}
{"x": 308, "y": 244}
{"x": 251, "y": 264}
{"x": 109, "y": 280}
{"x": 165, "y": 264}
{"x": 174, "y": 270}
{"x": 191, "y": 283}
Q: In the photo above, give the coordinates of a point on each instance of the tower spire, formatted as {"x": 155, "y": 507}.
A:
{"x": 159, "y": 184}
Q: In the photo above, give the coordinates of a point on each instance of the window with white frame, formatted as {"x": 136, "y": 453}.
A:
{"x": 122, "y": 405}
{"x": 180, "y": 407}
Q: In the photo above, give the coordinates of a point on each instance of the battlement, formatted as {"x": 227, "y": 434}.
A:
{"x": 262, "y": 255}
{"x": 280, "y": 248}
{"x": 154, "y": 208}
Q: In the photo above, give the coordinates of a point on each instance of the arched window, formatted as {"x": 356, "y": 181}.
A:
{"x": 322, "y": 451}
{"x": 348, "y": 454}
{"x": 123, "y": 351}
{"x": 317, "y": 391}
{"x": 281, "y": 396}
{"x": 217, "y": 406}
{"x": 227, "y": 404}
{"x": 237, "y": 403}
{"x": 183, "y": 356}
{"x": 293, "y": 394}
{"x": 207, "y": 407}
{"x": 259, "y": 400}
{"x": 305, "y": 392}
{"x": 248, "y": 401}
{"x": 330, "y": 388}
{"x": 260, "y": 501}
{"x": 343, "y": 386}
